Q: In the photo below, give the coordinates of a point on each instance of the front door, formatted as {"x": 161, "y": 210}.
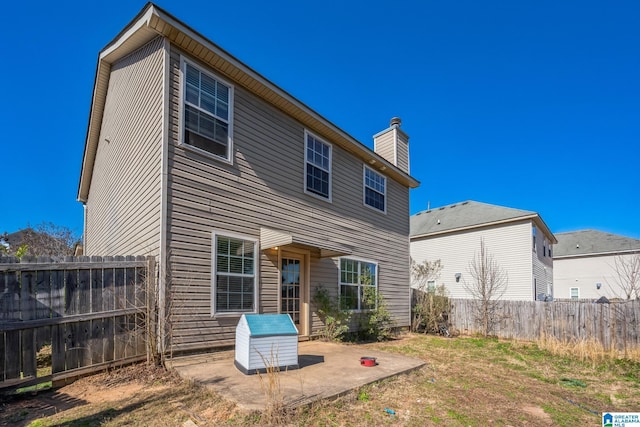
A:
{"x": 292, "y": 290}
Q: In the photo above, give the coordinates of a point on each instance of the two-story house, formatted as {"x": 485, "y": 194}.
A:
{"x": 518, "y": 240}
{"x": 589, "y": 264}
{"x": 249, "y": 199}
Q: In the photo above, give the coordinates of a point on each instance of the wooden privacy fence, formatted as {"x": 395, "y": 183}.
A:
{"x": 615, "y": 325}
{"x": 91, "y": 311}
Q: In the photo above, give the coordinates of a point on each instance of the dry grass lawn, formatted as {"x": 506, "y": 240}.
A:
{"x": 467, "y": 382}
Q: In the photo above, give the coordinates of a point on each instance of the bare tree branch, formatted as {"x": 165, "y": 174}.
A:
{"x": 424, "y": 272}
{"x": 429, "y": 307}
{"x": 626, "y": 276}
{"x": 45, "y": 239}
{"x": 489, "y": 284}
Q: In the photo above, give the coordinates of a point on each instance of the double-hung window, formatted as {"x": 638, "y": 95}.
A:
{"x": 317, "y": 158}
{"x": 431, "y": 286}
{"x": 375, "y": 189}
{"x": 234, "y": 275}
{"x": 207, "y": 106}
{"x": 358, "y": 283}
{"x": 574, "y": 293}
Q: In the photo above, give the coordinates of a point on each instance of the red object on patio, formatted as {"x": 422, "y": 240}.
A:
{"x": 368, "y": 361}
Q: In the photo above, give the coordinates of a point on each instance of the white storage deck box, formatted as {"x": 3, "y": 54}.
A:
{"x": 266, "y": 340}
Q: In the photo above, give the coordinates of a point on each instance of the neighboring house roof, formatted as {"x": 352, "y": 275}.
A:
{"x": 15, "y": 239}
{"x": 469, "y": 215}
{"x": 591, "y": 242}
{"x": 152, "y": 22}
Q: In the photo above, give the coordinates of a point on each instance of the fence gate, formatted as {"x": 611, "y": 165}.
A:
{"x": 64, "y": 317}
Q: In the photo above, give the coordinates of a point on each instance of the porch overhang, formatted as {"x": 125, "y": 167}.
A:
{"x": 271, "y": 238}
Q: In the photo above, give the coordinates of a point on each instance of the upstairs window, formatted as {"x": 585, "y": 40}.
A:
{"x": 207, "y": 112}
{"x": 356, "y": 278}
{"x": 533, "y": 234}
{"x": 317, "y": 178}
{"x": 234, "y": 275}
{"x": 375, "y": 189}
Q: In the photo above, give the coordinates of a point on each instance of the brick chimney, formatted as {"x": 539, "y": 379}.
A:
{"x": 393, "y": 145}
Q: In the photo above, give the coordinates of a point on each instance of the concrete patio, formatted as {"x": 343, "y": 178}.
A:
{"x": 326, "y": 370}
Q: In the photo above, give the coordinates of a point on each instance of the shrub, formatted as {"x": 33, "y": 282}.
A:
{"x": 376, "y": 322}
{"x": 336, "y": 320}
{"x": 430, "y": 310}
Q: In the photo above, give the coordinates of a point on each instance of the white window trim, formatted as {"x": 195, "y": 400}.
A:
{"x": 318, "y": 196}
{"x": 377, "y": 286}
{"x": 571, "y": 291}
{"x": 364, "y": 188}
{"x": 535, "y": 239}
{"x": 183, "y": 64}
{"x": 431, "y": 286}
{"x": 256, "y": 272}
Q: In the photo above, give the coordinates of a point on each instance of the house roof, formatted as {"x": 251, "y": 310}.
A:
{"x": 469, "y": 215}
{"x": 591, "y": 242}
{"x": 152, "y": 22}
{"x": 16, "y": 238}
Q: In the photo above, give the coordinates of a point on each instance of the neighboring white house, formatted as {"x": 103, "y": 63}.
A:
{"x": 584, "y": 264}
{"x": 518, "y": 240}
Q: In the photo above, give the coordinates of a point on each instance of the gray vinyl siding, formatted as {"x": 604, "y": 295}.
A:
{"x": 264, "y": 188}
{"x": 384, "y": 145}
{"x": 402, "y": 153}
{"x": 509, "y": 244}
{"x": 123, "y": 205}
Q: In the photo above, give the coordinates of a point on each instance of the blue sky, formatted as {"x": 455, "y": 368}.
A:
{"x": 528, "y": 104}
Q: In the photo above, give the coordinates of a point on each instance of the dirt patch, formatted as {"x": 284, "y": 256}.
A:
{"x": 120, "y": 385}
{"x": 94, "y": 393}
{"x": 537, "y": 411}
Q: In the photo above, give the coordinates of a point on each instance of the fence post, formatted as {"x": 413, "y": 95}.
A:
{"x": 151, "y": 329}
{"x": 28, "y": 312}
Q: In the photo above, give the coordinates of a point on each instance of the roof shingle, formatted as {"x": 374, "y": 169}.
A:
{"x": 584, "y": 242}
{"x": 462, "y": 215}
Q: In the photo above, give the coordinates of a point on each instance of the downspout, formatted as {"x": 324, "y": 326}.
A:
{"x": 84, "y": 228}
{"x": 163, "y": 251}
